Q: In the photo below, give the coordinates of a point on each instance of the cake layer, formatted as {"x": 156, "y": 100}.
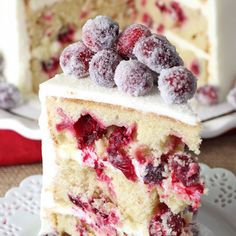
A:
{"x": 55, "y": 25}
{"x": 190, "y": 23}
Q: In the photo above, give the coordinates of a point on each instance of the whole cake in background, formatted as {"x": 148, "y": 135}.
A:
{"x": 37, "y": 31}
{"x": 202, "y": 31}
{"x": 118, "y": 134}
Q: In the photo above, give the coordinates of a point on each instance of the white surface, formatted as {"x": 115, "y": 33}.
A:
{"x": 84, "y": 89}
{"x": 19, "y": 209}
{"x": 14, "y": 43}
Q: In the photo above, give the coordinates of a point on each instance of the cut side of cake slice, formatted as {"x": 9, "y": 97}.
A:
{"x": 115, "y": 164}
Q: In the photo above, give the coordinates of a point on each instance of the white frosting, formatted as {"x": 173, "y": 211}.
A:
{"x": 14, "y": 43}
{"x": 70, "y": 87}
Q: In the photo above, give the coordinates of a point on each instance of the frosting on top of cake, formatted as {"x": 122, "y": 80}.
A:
{"x": 70, "y": 87}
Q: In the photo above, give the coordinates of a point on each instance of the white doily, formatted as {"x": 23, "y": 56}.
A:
{"x": 19, "y": 209}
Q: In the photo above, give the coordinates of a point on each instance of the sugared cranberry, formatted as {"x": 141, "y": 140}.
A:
{"x": 153, "y": 174}
{"x": 184, "y": 169}
{"x": 9, "y": 95}
{"x": 102, "y": 67}
{"x": 66, "y": 34}
{"x": 147, "y": 20}
{"x": 51, "y": 66}
{"x": 157, "y": 53}
{"x": 119, "y": 159}
{"x": 207, "y": 95}
{"x": 134, "y": 78}
{"x": 165, "y": 223}
{"x": 231, "y": 98}
{"x": 87, "y": 131}
{"x": 178, "y": 13}
{"x": 100, "y": 33}
{"x": 75, "y": 60}
{"x": 129, "y": 37}
{"x": 177, "y": 85}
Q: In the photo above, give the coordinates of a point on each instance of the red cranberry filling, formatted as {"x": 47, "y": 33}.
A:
{"x": 174, "y": 143}
{"x": 119, "y": 138}
{"x": 185, "y": 170}
{"x": 153, "y": 174}
{"x": 51, "y": 66}
{"x": 66, "y": 34}
{"x": 87, "y": 131}
{"x": 76, "y": 200}
{"x": 166, "y": 223}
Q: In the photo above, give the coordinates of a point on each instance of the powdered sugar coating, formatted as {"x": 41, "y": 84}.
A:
{"x": 231, "y": 98}
{"x": 129, "y": 37}
{"x": 207, "y": 95}
{"x": 157, "y": 53}
{"x": 134, "y": 78}
{"x": 100, "y": 33}
{"x": 9, "y": 95}
{"x": 102, "y": 67}
{"x": 177, "y": 85}
{"x": 75, "y": 58}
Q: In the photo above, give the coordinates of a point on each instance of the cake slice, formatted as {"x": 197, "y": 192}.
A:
{"x": 117, "y": 154}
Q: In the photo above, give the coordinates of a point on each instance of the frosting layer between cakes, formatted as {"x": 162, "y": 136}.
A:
{"x": 70, "y": 87}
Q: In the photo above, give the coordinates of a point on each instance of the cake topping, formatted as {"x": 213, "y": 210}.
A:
{"x": 75, "y": 59}
{"x": 150, "y": 56}
{"x": 134, "y": 78}
{"x": 231, "y": 98}
{"x": 207, "y": 95}
{"x": 157, "y": 53}
{"x": 129, "y": 37}
{"x": 9, "y": 95}
{"x": 102, "y": 67}
{"x": 177, "y": 85}
{"x": 100, "y": 33}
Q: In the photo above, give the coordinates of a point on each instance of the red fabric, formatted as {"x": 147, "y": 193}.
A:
{"x": 16, "y": 149}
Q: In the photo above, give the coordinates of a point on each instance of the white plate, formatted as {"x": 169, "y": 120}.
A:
{"x": 216, "y": 119}
{"x": 19, "y": 209}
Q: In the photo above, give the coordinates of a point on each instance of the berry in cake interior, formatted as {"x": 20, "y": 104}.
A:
{"x": 120, "y": 139}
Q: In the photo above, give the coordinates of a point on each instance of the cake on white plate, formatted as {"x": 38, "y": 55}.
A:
{"x": 118, "y": 155}
{"x": 200, "y": 29}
